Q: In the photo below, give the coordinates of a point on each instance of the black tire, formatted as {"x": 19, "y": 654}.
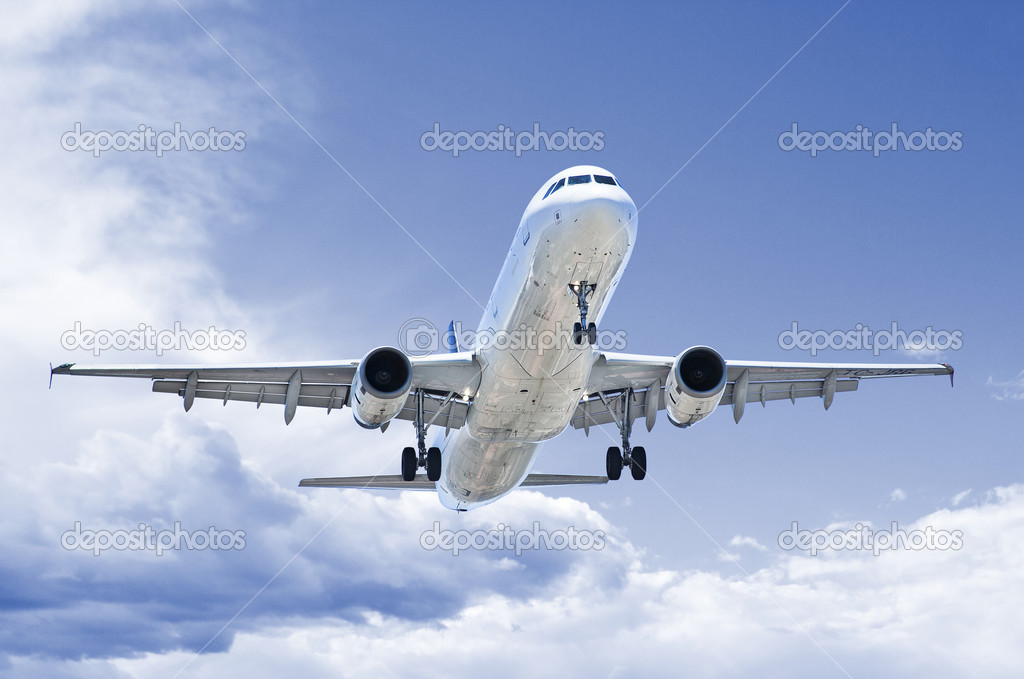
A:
{"x": 638, "y": 468}
{"x": 577, "y": 333}
{"x": 613, "y": 463}
{"x": 592, "y": 334}
{"x": 409, "y": 464}
{"x": 433, "y": 464}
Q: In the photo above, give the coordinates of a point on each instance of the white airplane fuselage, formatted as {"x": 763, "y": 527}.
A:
{"x": 533, "y": 374}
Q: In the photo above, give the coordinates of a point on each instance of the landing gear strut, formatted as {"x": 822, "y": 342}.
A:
{"x": 582, "y": 291}
{"x": 628, "y": 456}
{"x": 421, "y": 456}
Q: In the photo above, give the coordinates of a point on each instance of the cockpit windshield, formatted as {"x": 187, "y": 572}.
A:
{"x": 580, "y": 179}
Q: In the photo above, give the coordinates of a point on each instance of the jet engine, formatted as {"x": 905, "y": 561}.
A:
{"x": 695, "y": 385}
{"x": 381, "y": 386}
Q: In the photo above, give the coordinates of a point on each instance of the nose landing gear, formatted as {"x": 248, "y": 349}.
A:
{"x": 582, "y": 292}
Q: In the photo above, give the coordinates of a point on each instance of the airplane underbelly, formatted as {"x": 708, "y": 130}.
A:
{"x": 476, "y": 472}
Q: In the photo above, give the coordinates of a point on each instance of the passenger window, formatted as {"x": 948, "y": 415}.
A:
{"x": 579, "y": 179}
{"x": 604, "y": 179}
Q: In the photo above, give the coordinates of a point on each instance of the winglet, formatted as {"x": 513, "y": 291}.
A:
{"x": 950, "y": 369}
{"x": 62, "y": 369}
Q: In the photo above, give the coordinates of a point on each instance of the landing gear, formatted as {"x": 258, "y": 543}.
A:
{"x": 581, "y": 330}
{"x": 634, "y": 458}
{"x": 421, "y": 456}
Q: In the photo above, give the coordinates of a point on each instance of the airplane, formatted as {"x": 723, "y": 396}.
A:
{"x": 495, "y": 405}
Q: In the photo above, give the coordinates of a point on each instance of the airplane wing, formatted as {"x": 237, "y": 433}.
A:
{"x": 642, "y": 378}
{"x": 395, "y": 481}
{"x": 443, "y": 379}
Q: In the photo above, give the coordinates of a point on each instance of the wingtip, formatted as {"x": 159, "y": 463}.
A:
{"x": 62, "y": 369}
{"x": 950, "y": 369}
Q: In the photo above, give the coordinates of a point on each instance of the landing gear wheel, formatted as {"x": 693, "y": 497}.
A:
{"x": 592, "y": 334}
{"x": 409, "y": 464}
{"x": 638, "y": 463}
{"x": 613, "y": 464}
{"x": 433, "y": 464}
{"x": 577, "y": 333}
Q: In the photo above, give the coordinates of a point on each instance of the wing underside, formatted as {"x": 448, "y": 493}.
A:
{"x": 641, "y": 379}
{"x": 442, "y": 379}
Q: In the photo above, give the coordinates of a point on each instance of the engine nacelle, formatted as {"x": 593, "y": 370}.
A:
{"x": 381, "y": 386}
{"x": 695, "y": 385}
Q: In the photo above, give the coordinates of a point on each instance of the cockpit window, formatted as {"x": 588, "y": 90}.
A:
{"x": 554, "y": 187}
{"x": 604, "y": 179}
{"x": 579, "y": 179}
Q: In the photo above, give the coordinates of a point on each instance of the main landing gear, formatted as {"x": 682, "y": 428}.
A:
{"x": 421, "y": 456}
{"x": 628, "y": 456}
{"x": 582, "y": 291}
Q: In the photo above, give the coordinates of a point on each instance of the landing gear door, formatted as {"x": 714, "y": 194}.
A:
{"x": 587, "y": 271}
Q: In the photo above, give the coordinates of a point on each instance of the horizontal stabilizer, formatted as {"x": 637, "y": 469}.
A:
{"x": 395, "y": 482}
{"x": 561, "y": 480}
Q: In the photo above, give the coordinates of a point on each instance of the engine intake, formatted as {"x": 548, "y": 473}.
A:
{"x": 381, "y": 386}
{"x": 695, "y": 385}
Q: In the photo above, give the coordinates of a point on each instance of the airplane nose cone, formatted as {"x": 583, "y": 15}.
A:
{"x": 606, "y": 215}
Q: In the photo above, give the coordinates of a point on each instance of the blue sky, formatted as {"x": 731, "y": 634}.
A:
{"x": 319, "y": 240}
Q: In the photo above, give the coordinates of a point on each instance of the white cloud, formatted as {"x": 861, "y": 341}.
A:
{"x": 945, "y": 613}
{"x": 1007, "y": 390}
{"x": 747, "y": 541}
{"x": 897, "y": 495}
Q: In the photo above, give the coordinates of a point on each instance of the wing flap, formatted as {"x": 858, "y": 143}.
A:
{"x": 768, "y": 371}
{"x": 779, "y": 391}
{"x": 310, "y": 395}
